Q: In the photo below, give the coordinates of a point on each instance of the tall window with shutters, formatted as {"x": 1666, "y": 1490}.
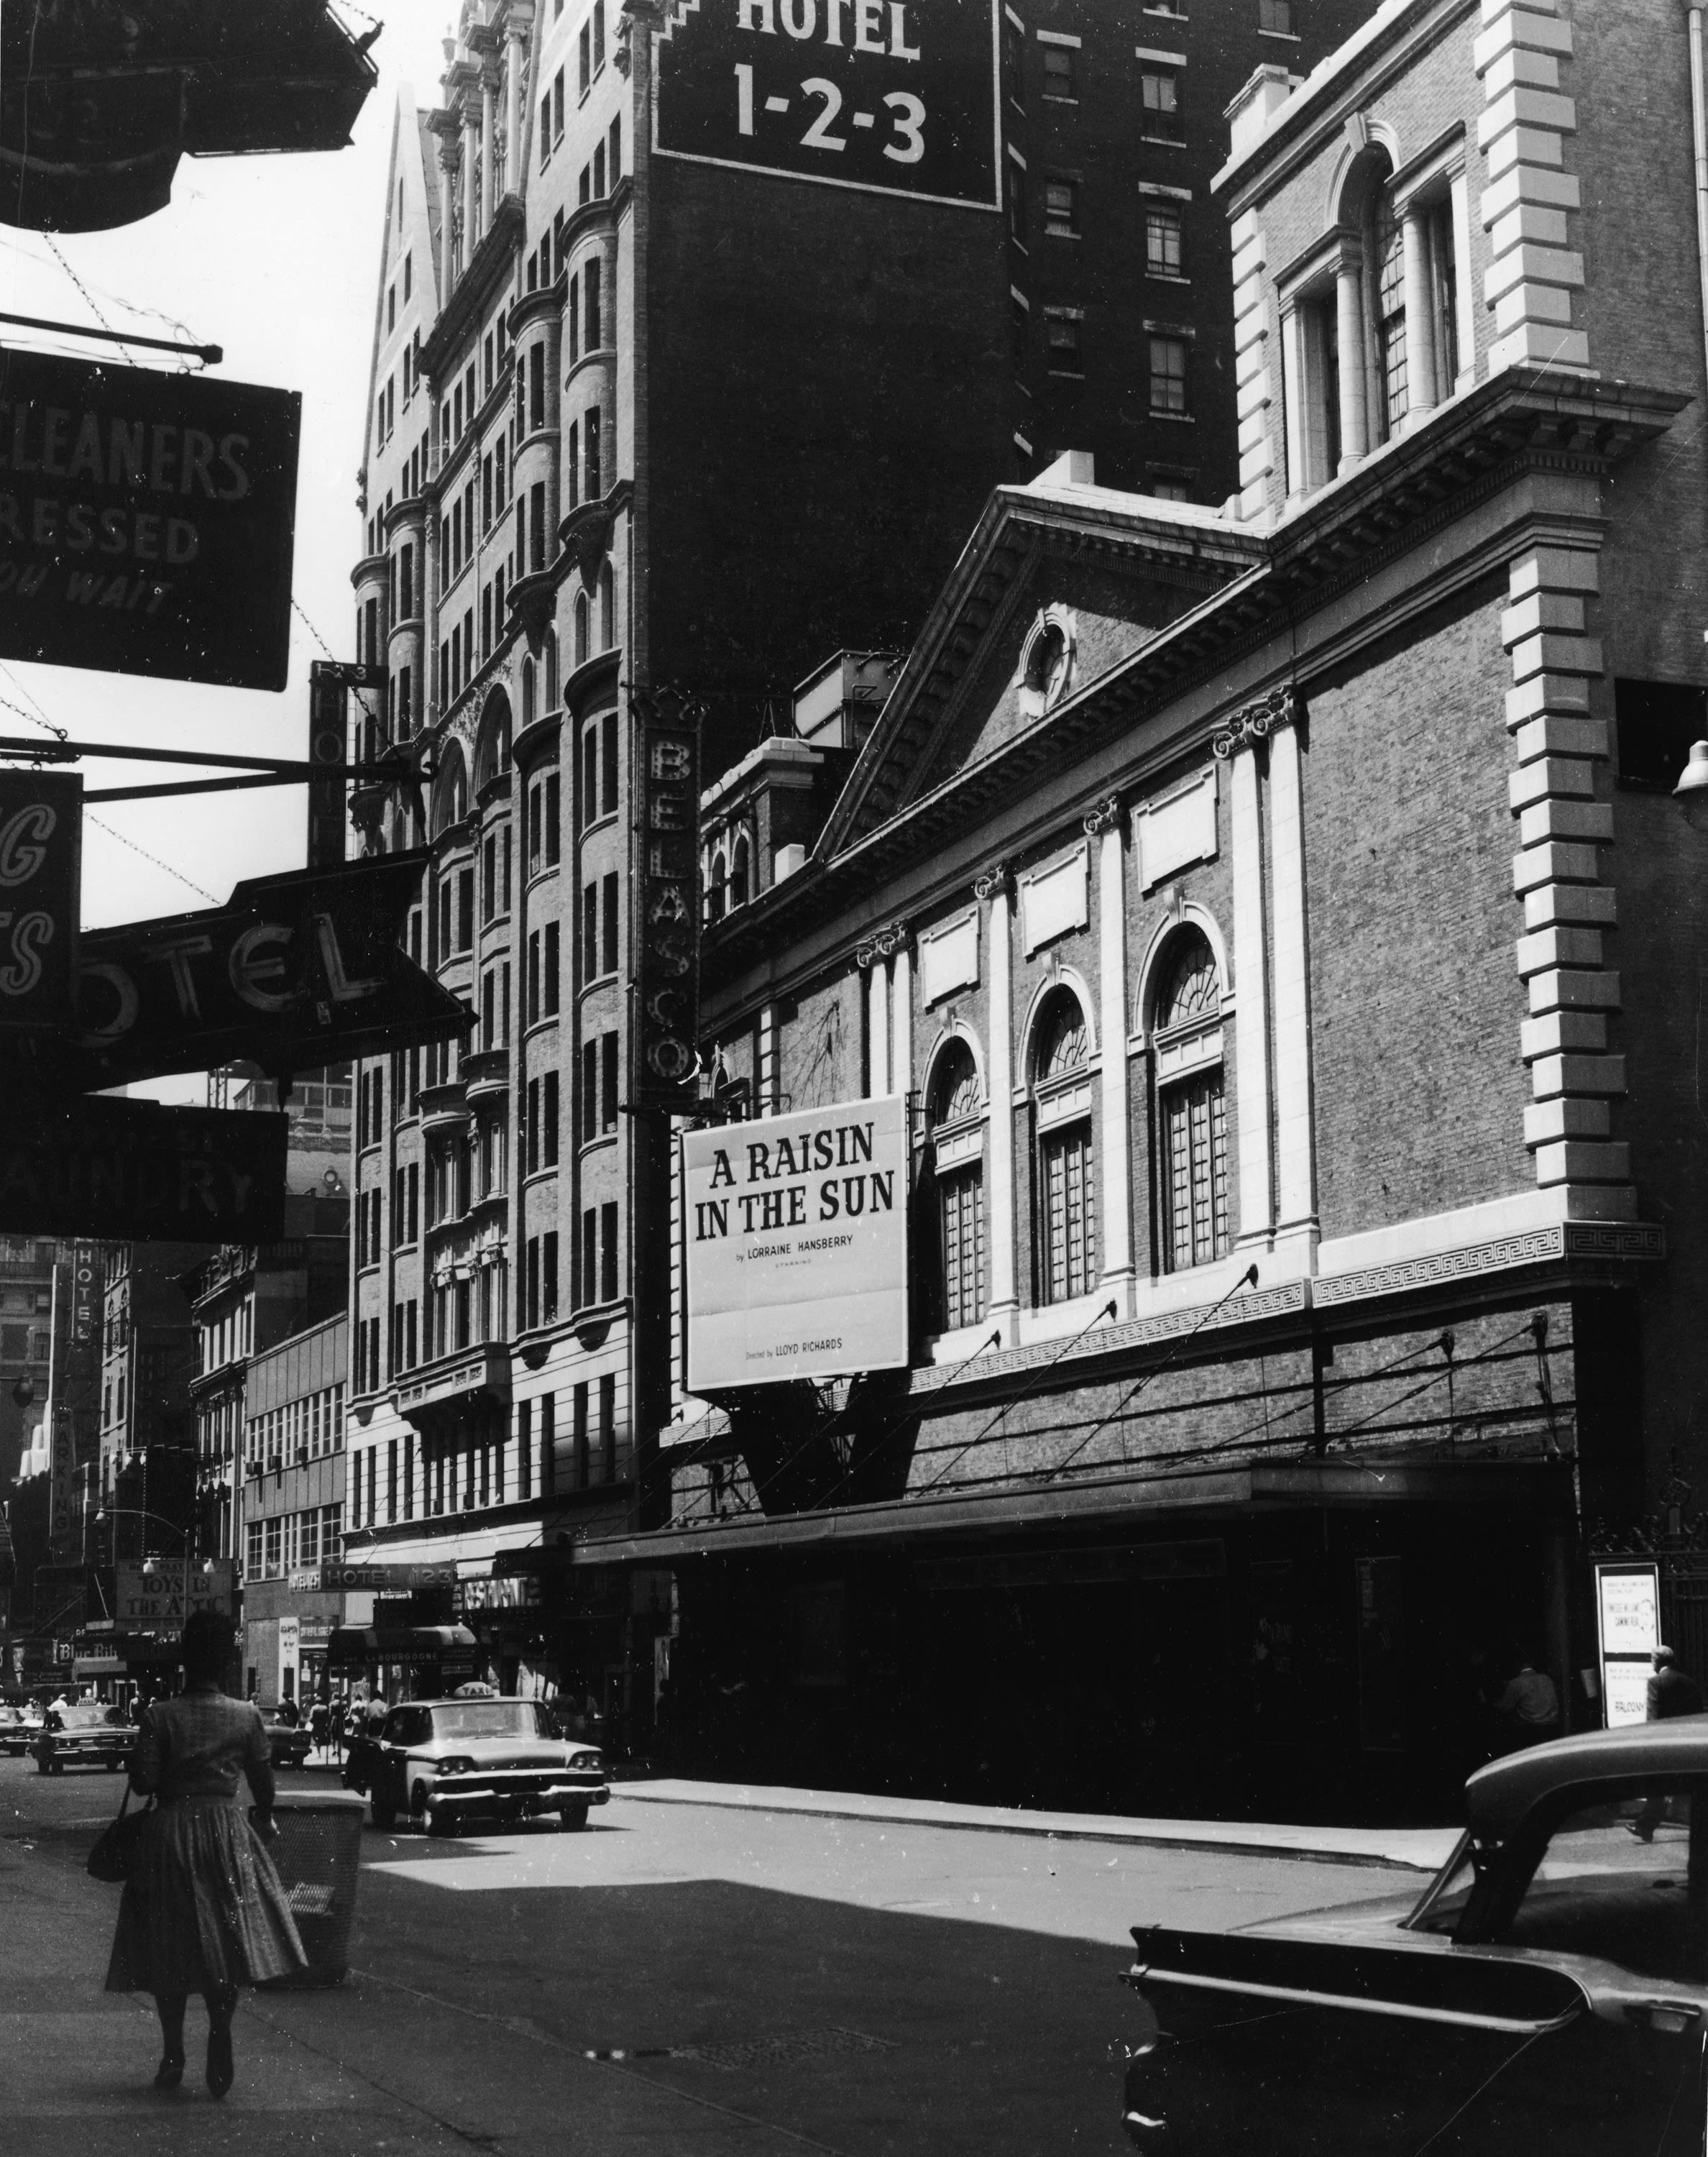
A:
{"x": 1192, "y": 1120}
{"x": 1065, "y": 1181}
{"x": 956, "y": 1113}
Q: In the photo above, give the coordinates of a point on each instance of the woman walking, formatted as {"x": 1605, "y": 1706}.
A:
{"x": 203, "y": 1909}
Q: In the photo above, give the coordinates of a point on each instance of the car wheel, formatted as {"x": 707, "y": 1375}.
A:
{"x": 385, "y": 1817}
{"x": 574, "y": 1816}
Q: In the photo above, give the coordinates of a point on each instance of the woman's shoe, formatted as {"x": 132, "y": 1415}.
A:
{"x": 170, "y": 2073}
{"x": 219, "y": 2066}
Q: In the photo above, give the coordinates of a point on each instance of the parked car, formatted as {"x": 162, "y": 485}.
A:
{"x": 290, "y": 1741}
{"x": 445, "y": 1761}
{"x": 1548, "y": 1992}
{"x": 86, "y": 1735}
{"x": 19, "y": 1729}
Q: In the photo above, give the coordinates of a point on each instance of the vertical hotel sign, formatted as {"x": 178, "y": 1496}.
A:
{"x": 667, "y": 956}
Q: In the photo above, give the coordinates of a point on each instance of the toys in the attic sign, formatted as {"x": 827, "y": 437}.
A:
{"x": 147, "y": 521}
{"x": 893, "y": 97}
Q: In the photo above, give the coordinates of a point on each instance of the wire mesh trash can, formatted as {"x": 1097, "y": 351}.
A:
{"x": 317, "y": 1852}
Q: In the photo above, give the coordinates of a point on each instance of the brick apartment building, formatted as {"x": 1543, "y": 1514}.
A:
{"x": 650, "y": 405}
{"x": 1279, "y": 925}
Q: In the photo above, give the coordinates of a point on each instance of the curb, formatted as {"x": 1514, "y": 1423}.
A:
{"x": 1218, "y": 1839}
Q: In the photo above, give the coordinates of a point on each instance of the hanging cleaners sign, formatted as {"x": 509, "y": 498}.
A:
{"x": 147, "y": 521}
{"x": 797, "y": 1245}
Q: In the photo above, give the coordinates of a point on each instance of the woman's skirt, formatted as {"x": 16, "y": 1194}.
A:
{"x": 203, "y": 1906}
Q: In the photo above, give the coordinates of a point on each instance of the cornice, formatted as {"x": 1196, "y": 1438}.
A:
{"x": 1472, "y": 449}
{"x": 545, "y": 300}
{"x": 474, "y": 291}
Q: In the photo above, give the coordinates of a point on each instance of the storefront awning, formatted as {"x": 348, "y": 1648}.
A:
{"x": 358, "y": 1647}
{"x": 1541, "y": 1489}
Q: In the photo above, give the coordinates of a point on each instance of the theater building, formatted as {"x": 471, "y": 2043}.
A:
{"x": 1278, "y": 927}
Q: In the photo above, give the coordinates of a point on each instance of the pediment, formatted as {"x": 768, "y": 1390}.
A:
{"x": 1059, "y": 584}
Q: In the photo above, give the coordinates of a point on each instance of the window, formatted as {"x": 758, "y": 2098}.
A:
{"x": 593, "y": 482}
{"x": 558, "y": 108}
{"x": 1389, "y": 297}
{"x": 1014, "y": 64}
{"x": 1191, "y": 1111}
{"x": 549, "y": 1122}
{"x": 608, "y": 1082}
{"x": 608, "y": 907}
{"x": 608, "y": 1426}
{"x": 616, "y": 141}
{"x": 1161, "y": 100}
{"x": 1016, "y": 200}
{"x": 1061, "y": 341}
{"x": 550, "y": 967}
{"x": 584, "y": 56}
{"x": 1656, "y": 722}
{"x": 589, "y": 931}
{"x": 1168, "y": 374}
{"x": 1066, "y": 1186}
{"x": 595, "y": 321}
{"x": 1276, "y": 16}
{"x": 954, "y": 1122}
{"x": 607, "y": 609}
{"x": 609, "y": 773}
{"x": 607, "y": 1252}
{"x": 1163, "y": 255}
{"x": 1059, "y": 71}
{"x": 553, "y": 834}
{"x": 1062, "y": 209}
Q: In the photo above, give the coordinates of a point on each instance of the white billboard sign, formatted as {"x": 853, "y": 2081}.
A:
{"x": 797, "y": 1245}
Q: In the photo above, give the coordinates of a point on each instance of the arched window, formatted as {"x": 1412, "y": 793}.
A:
{"x": 450, "y": 790}
{"x": 1191, "y": 1114}
{"x": 714, "y": 898}
{"x": 1067, "y": 1193}
{"x": 581, "y": 629}
{"x": 607, "y": 609}
{"x": 954, "y": 1115}
{"x": 492, "y": 754}
{"x": 528, "y": 693}
{"x": 1387, "y": 289}
{"x": 738, "y": 874}
{"x": 551, "y": 670}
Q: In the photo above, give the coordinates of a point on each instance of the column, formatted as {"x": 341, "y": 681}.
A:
{"x": 1349, "y": 318}
{"x": 1421, "y": 388}
{"x": 447, "y": 227}
{"x": 1004, "y": 1304}
{"x": 1103, "y": 824}
{"x": 1295, "y": 1152}
{"x": 489, "y": 132}
{"x": 902, "y": 1016}
{"x": 471, "y": 164}
{"x": 876, "y": 988}
{"x": 1465, "y": 329}
{"x": 1293, "y": 393}
{"x": 513, "y": 174}
{"x": 1250, "y": 1018}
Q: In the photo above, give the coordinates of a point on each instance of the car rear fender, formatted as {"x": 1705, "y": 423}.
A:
{"x": 1431, "y": 1984}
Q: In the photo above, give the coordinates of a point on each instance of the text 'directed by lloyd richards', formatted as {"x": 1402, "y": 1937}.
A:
{"x": 890, "y": 96}
{"x": 797, "y": 1245}
{"x": 147, "y": 521}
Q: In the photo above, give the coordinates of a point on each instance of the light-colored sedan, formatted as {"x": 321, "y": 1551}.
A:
{"x": 442, "y": 1761}
{"x": 1547, "y": 1992}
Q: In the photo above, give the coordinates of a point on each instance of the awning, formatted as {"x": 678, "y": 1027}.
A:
{"x": 1542, "y": 1489}
{"x": 357, "y": 1647}
{"x": 97, "y": 1666}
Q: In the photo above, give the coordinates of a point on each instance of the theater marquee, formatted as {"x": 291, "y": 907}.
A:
{"x": 797, "y": 1245}
{"x": 890, "y": 96}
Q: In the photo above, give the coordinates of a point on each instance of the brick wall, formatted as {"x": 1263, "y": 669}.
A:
{"x": 1420, "y": 1088}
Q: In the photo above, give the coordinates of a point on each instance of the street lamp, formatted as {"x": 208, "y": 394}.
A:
{"x": 141, "y": 1513}
{"x": 1691, "y": 792}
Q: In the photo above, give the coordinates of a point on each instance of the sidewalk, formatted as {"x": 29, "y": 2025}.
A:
{"x": 1420, "y": 1849}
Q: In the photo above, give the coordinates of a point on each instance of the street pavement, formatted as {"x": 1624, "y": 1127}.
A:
{"x": 730, "y": 1978}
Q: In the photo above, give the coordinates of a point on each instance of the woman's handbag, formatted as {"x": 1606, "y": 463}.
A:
{"x": 115, "y": 1851}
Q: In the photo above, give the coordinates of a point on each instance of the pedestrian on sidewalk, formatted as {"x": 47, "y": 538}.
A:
{"x": 1671, "y": 1690}
{"x": 1529, "y": 1710}
{"x": 318, "y": 1719}
{"x": 203, "y": 1909}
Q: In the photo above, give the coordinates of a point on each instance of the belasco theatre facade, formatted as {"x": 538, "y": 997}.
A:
{"x": 1260, "y": 946}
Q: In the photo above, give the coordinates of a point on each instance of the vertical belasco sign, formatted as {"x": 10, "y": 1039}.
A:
{"x": 147, "y": 521}
{"x": 890, "y": 96}
{"x": 797, "y": 1245}
{"x": 667, "y": 958}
